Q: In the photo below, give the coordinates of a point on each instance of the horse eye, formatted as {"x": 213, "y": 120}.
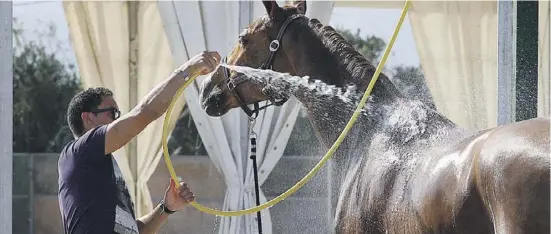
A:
{"x": 242, "y": 40}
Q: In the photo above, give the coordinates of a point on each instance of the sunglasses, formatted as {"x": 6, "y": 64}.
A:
{"x": 115, "y": 113}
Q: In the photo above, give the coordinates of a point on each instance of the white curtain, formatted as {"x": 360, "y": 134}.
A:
{"x": 100, "y": 35}
{"x": 544, "y": 61}
{"x": 457, "y": 46}
{"x": 193, "y": 26}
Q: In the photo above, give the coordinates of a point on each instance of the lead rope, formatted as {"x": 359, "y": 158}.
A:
{"x": 252, "y": 136}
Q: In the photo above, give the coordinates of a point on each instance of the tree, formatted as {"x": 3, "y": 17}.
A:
{"x": 371, "y": 47}
{"x": 43, "y": 85}
{"x": 408, "y": 79}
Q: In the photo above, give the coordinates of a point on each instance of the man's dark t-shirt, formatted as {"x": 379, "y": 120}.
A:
{"x": 93, "y": 197}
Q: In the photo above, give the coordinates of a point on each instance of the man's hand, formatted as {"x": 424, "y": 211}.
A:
{"x": 202, "y": 64}
{"x": 175, "y": 198}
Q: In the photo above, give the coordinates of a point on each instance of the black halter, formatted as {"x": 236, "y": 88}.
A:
{"x": 268, "y": 63}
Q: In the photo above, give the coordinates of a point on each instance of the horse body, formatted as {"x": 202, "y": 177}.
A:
{"x": 404, "y": 167}
{"x": 408, "y": 169}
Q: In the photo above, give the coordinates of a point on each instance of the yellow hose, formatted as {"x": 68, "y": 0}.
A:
{"x": 318, "y": 166}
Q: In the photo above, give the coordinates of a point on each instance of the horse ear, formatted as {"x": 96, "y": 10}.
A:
{"x": 301, "y": 7}
{"x": 270, "y": 6}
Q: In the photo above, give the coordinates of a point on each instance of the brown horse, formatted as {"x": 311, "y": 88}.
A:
{"x": 404, "y": 168}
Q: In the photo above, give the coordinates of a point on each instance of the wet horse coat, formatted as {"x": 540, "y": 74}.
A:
{"x": 404, "y": 168}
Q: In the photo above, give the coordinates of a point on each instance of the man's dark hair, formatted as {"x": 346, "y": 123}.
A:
{"x": 84, "y": 101}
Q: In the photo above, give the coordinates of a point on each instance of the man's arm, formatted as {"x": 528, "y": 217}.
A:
{"x": 156, "y": 102}
{"x": 151, "y": 222}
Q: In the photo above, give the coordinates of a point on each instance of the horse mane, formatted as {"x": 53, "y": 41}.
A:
{"x": 358, "y": 68}
{"x": 359, "y": 72}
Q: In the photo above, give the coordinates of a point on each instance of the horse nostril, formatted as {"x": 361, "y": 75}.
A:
{"x": 214, "y": 99}
{"x": 219, "y": 100}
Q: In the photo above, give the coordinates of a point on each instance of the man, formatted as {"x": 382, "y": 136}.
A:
{"x": 93, "y": 197}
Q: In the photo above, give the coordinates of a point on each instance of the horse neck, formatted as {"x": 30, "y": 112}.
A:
{"x": 322, "y": 54}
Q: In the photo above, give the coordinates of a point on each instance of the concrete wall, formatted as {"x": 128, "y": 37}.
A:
{"x": 36, "y": 208}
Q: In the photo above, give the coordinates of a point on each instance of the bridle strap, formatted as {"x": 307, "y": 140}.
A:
{"x": 275, "y": 44}
{"x": 268, "y": 63}
{"x": 232, "y": 83}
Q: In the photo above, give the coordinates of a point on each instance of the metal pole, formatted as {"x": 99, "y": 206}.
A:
{"x": 506, "y": 68}
{"x": 256, "y": 187}
{"x": 6, "y": 116}
{"x": 506, "y": 56}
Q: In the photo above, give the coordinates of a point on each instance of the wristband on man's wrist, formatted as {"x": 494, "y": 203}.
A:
{"x": 165, "y": 209}
{"x": 181, "y": 72}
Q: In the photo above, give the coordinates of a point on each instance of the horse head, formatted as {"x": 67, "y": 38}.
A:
{"x": 283, "y": 41}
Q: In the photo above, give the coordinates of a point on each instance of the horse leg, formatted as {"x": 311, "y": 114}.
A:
{"x": 516, "y": 192}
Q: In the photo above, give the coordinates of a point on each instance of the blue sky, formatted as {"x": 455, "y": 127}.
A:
{"x": 379, "y": 22}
